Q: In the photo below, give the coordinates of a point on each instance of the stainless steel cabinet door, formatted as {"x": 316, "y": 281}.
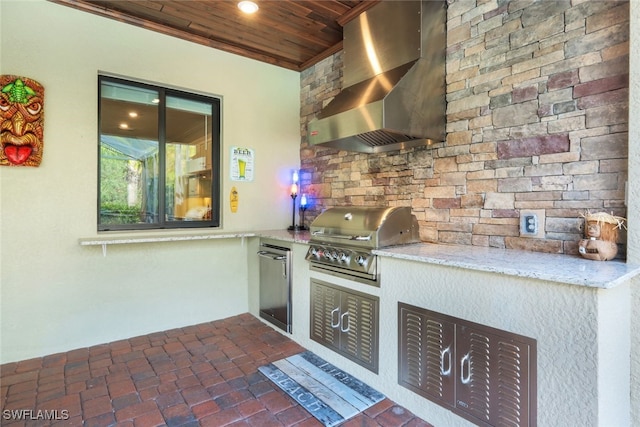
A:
{"x": 483, "y": 374}
{"x": 494, "y": 374}
{"x": 345, "y": 321}
{"x": 325, "y": 315}
{"x": 359, "y": 329}
{"x": 275, "y": 286}
{"x": 426, "y": 354}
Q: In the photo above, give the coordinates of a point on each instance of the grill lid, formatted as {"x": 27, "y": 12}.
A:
{"x": 366, "y": 227}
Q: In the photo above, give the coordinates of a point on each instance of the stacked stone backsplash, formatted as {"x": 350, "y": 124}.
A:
{"x": 537, "y": 118}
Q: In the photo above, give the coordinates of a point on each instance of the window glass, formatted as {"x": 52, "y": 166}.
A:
{"x": 159, "y": 157}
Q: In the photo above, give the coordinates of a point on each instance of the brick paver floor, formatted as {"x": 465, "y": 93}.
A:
{"x": 201, "y": 375}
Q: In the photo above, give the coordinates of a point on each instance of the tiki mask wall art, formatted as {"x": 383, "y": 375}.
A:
{"x": 21, "y": 121}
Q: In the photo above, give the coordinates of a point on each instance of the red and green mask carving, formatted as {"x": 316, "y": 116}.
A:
{"x": 21, "y": 121}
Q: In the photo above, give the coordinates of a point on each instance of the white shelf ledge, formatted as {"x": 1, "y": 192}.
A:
{"x": 133, "y": 239}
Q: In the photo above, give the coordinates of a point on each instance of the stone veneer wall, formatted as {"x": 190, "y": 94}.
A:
{"x": 537, "y": 118}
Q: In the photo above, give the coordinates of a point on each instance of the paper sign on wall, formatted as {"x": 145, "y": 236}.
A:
{"x": 242, "y": 164}
{"x": 233, "y": 200}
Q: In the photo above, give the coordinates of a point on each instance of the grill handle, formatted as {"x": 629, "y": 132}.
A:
{"x": 342, "y": 236}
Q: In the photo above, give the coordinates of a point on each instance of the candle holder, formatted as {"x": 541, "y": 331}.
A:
{"x": 293, "y": 226}
{"x": 294, "y": 194}
{"x": 302, "y": 227}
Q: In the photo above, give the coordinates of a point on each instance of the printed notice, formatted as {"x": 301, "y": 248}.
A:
{"x": 242, "y": 164}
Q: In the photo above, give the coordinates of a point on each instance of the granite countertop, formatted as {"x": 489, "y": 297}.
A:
{"x": 134, "y": 237}
{"x": 568, "y": 269}
{"x": 560, "y": 268}
{"x": 286, "y": 235}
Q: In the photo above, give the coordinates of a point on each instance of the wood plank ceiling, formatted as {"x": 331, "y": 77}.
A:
{"x": 292, "y": 34}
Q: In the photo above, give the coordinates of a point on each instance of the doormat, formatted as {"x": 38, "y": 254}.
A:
{"x": 331, "y": 395}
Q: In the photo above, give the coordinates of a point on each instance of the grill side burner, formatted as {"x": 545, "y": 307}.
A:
{"x": 343, "y": 238}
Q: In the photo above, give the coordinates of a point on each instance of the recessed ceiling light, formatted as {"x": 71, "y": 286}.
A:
{"x": 123, "y": 126}
{"x": 133, "y": 114}
{"x": 248, "y": 6}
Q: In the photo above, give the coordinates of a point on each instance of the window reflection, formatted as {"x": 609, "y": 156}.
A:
{"x": 188, "y": 166}
{"x": 129, "y": 155}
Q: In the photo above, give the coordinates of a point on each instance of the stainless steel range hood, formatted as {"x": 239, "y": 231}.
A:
{"x": 394, "y": 80}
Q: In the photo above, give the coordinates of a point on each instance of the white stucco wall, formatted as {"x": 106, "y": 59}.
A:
{"x": 582, "y": 336}
{"x": 57, "y": 295}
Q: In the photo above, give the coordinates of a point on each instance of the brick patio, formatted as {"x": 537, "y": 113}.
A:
{"x": 201, "y": 375}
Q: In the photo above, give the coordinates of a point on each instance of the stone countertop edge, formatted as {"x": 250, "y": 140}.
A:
{"x": 133, "y": 238}
{"x": 284, "y": 235}
{"x": 560, "y": 268}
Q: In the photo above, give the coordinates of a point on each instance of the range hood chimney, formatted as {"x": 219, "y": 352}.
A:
{"x": 393, "y": 79}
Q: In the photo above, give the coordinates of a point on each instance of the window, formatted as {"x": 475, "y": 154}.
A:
{"x": 159, "y": 160}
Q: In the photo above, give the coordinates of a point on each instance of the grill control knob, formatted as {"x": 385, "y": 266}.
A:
{"x": 360, "y": 260}
{"x": 343, "y": 257}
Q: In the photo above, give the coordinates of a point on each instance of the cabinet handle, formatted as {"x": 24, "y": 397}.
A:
{"x": 284, "y": 269}
{"x": 445, "y": 355}
{"x": 342, "y": 329}
{"x": 271, "y": 255}
{"x": 465, "y": 361}
{"x": 335, "y": 324}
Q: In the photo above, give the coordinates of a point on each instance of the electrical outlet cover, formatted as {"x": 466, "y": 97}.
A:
{"x": 532, "y": 223}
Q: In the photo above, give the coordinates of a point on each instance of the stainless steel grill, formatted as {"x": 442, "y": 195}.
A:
{"x": 343, "y": 238}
